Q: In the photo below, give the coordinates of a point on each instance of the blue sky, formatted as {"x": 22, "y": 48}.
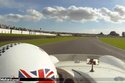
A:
{"x": 84, "y": 16}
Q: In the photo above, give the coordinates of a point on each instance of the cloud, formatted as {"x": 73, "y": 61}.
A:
{"x": 58, "y": 13}
{"x": 36, "y": 15}
{"x": 117, "y": 15}
{"x": 84, "y": 14}
{"x": 72, "y": 13}
{"x": 109, "y": 15}
{"x": 12, "y": 17}
{"x": 32, "y": 15}
{"x": 10, "y": 4}
{"x": 120, "y": 9}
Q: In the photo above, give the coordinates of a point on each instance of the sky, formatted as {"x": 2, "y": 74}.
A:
{"x": 79, "y": 16}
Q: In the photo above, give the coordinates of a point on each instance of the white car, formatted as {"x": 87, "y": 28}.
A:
{"x": 26, "y": 63}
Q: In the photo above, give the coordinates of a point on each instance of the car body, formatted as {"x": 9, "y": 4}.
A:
{"x": 22, "y": 60}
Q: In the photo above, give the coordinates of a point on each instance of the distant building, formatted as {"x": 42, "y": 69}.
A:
{"x": 123, "y": 34}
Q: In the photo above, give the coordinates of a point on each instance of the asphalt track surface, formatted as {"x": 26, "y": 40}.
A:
{"x": 90, "y": 45}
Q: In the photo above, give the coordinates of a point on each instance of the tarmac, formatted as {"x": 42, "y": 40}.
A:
{"x": 86, "y": 45}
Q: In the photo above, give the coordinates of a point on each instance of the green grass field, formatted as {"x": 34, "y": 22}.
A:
{"x": 42, "y": 40}
{"x": 117, "y": 41}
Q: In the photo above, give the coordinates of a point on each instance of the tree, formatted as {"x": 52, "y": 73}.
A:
{"x": 113, "y": 33}
{"x": 101, "y": 33}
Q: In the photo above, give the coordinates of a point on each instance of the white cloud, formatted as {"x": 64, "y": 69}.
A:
{"x": 58, "y": 13}
{"x": 120, "y": 9}
{"x": 117, "y": 15}
{"x": 109, "y": 15}
{"x": 112, "y": 16}
{"x": 13, "y": 17}
{"x": 32, "y": 15}
{"x": 83, "y": 14}
{"x": 72, "y": 13}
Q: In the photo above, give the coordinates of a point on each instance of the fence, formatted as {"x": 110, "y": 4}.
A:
{"x": 30, "y": 32}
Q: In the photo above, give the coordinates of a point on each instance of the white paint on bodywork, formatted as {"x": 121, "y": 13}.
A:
{"x": 112, "y": 61}
{"x": 54, "y": 59}
{"x": 103, "y": 73}
{"x": 24, "y": 56}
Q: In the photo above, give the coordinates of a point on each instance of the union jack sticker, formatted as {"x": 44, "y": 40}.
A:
{"x": 38, "y": 74}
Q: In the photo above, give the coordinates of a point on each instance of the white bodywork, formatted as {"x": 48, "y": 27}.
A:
{"x": 23, "y": 57}
{"x": 108, "y": 69}
{"x": 104, "y": 72}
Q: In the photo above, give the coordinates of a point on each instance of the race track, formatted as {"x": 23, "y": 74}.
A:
{"x": 88, "y": 45}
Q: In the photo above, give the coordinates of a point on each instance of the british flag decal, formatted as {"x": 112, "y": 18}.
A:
{"x": 41, "y": 73}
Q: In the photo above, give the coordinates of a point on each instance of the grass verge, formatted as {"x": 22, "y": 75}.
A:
{"x": 41, "y": 41}
{"x": 117, "y": 41}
